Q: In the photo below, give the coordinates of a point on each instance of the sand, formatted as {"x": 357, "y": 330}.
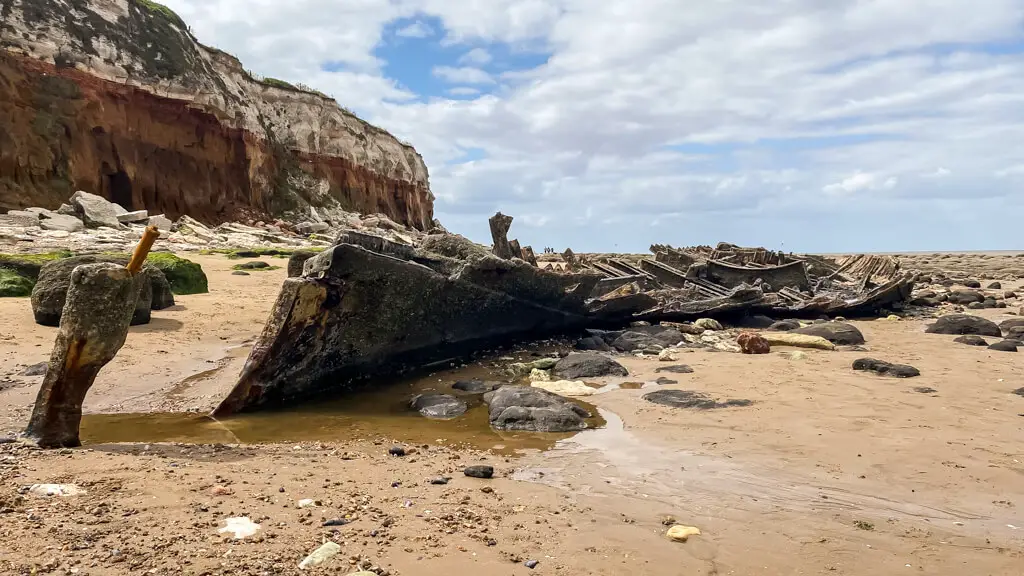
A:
{"x": 829, "y": 471}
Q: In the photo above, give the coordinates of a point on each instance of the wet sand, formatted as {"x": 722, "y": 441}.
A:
{"x": 829, "y": 471}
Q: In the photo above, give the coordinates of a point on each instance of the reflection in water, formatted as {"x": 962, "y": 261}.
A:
{"x": 381, "y": 412}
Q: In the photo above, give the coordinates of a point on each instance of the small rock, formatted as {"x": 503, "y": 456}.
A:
{"x": 676, "y": 369}
{"x": 531, "y": 564}
{"x": 995, "y": 286}
{"x": 1004, "y": 346}
{"x": 972, "y": 283}
{"x": 306, "y": 503}
{"x": 439, "y": 406}
{"x": 584, "y": 365}
{"x": 565, "y": 387}
{"x": 36, "y": 369}
{"x": 162, "y": 222}
{"x": 751, "y": 343}
{"x": 925, "y": 390}
{"x": 61, "y": 222}
{"x": 254, "y": 265}
{"x": 240, "y": 527}
{"x": 784, "y": 326}
{"x": 963, "y": 324}
{"x": 665, "y": 381}
{"x": 396, "y": 451}
{"x": 335, "y": 522}
{"x": 708, "y": 324}
{"x": 971, "y": 340}
{"x": 475, "y": 386}
{"x": 440, "y": 480}
{"x": 221, "y": 491}
{"x": 480, "y": 471}
{"x": 835, "y": 332}
{"x": 325, "y": 552}
{"x": 690, "y": 399}
{"x": 682, "y": 533}
{"x": 885, "y": 368}
{"x": 239, "y": 273}
{"x": 136, "y": 216}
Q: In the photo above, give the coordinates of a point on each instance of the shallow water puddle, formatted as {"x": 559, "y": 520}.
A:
{"x": 380, "y": 412}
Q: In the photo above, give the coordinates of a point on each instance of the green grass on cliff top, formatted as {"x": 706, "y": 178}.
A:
{"x": 163, "y": 11}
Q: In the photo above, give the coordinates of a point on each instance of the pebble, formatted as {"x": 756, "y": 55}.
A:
{"x": 336, "y": 522}
{"x": 531, "y": 564}
{"x": 440, "y": 480}
{"x": 397, "y": 451}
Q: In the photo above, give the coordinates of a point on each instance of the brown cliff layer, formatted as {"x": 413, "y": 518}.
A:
{"x": 69, "y": 123}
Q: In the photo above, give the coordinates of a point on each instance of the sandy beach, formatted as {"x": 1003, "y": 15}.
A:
{"x": 828, "y": 471}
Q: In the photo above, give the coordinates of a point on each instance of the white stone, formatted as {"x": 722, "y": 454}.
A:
{"x": 61, "y": 222}
{"x": 95, "y": 210}
{"x": 162, "y": 222}
{"x": 136, "y": 216}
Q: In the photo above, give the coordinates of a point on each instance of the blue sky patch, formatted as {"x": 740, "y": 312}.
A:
{"x": 417, "y": 58}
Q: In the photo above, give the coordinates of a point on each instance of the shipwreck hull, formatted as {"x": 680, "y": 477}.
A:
{"x": 356, "y": 313}
{"x": 791, "y": 275}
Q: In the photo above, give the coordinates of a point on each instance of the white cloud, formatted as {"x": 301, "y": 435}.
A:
{"x": 728, "y": 122}
{"x": 475, "y": 57}
{"x": 463, "y": 91}
{"x": 417, "y": 29}
{"x": 463, "y": 75}
{"x": 939, "y": 172}
{"x": 859, "y": 182}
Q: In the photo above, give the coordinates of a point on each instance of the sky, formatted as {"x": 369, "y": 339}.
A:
{"x": 801, "y": 125}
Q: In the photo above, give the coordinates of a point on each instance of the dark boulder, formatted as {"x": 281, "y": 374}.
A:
{"x": 254, "y": 265}
{"x": 971, "y": 340}
{"x": 930, "y": 302}
{"x": 784, "y": 325}
{"x": 641, "y": 337}
{"x": 576, "y": 366}
{"x": 297, "y": 260}
{"x": 756, "y": 321}
{"x": 162, "y": 295}
{"x": 50, "y": 291}
{"x": 972, "y": 283}
{"x": 534, "y": 410}
{"x": 1005, "y": 346}
{"x": 483, "y": 472}
{"x": 839, "y": 333}
{"x": 995, "y": 286}
{"x": 475, "y": 386}
{"x": 690, "y": 399}
{"x": 1014, "y": 333}
{"x": 1007, "y": 325}
{"x": 438, "y": 406}
{"x": 884, "y": 368}
{"x": 964, "y": 324}
{"x": 593, "y": 344}
{"x": 965, "y": 297}
{"x": 976, "y": 306}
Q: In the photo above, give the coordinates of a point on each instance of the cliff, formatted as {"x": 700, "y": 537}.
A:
{"x": 116, "y": 97}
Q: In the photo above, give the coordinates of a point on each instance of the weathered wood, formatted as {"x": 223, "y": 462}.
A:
{"x": 500, "y": 224}
{"x": 93, "y": 327}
